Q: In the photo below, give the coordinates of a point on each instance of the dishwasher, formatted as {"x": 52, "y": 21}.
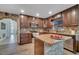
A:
{"x": 68, "y": 44}
{"x": 72, "y": 44}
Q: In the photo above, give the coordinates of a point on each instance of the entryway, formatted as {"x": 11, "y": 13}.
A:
{"x": 8, "y": 36}
{"x": 8, "y": 39}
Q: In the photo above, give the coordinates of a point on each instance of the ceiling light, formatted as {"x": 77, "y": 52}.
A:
{"x": 37, "y": 14}
{"x": 22, "y": 11}
{"x": 50, "y": 12}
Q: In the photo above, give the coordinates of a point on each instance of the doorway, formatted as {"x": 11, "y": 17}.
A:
{"x": 8, "y": 36}
{"x": 8, "y": 39}
{"x": 8, "y": 31}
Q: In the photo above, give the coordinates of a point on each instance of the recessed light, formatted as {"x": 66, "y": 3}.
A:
{"x": 22, "y": 10}
{"x": 50, "y": 12}
{"x": 37, "y": 14}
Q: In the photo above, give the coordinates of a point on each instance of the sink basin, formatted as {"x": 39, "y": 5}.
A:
{"x": 35, "y": 34}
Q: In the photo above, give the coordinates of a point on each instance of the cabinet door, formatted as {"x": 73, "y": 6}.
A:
{"x": 65, "y": 18}
{"x": 45, "y": 23}
{"x": 23, "y": 21}
{"x": 74, "y": 19}
{"x": 77, "y": 15}
{"x": 40, "y": 23}
{"x": 25, "y": 38}
{"x": 69, "y": 17}
{"x": 49, "y": 25}
{"x": 29, "y": 19}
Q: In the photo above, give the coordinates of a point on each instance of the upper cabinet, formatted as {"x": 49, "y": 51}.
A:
{"x": 31, "y": 22}
{"x": 39, "y": 22}
{"x": 49, "y": 25}
{"x": 70, "y": 17}
{"x": 25, "y": 21}
{"x": 57, "y": 17}
{"x": 46, "y": 23}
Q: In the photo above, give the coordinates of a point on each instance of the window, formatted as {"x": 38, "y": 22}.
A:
{"x": 3, "y": 26}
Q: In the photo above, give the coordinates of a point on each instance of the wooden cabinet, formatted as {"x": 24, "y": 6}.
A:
{"x": 46, "y": 23}
{"x": 25, "y": 38}
{"x": 40, "y": 23}
{"x": 77, "y": 14}
{"x": 49, "y": 25}
{"x": 25, "y": 21}
{"x": 29, "y": 20}
{"x": 65, "y": 18}
{"x": 69, "y": 17}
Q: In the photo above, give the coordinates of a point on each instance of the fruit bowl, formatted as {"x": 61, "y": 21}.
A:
{"x": 56, "y": 36}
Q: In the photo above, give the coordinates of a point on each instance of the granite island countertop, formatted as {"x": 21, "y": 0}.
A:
{"x": 47, "y": 39}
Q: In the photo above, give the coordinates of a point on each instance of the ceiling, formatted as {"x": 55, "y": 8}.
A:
{"x": 32, "y": 9}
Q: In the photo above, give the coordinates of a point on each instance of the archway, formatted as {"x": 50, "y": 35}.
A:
{"x": 8, "y": 31}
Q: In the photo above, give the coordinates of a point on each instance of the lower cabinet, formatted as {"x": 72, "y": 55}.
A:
{"x": 25, "y": 38}
{"x": 38, "y": 47}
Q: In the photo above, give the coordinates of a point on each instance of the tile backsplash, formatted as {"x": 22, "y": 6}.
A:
{"x": 77, "y": 32}
{"x": 66, "y": 30}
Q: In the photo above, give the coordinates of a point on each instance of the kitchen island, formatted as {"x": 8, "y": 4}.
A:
{"x": 70, "y": 45}
{"x": 45, "y": 45}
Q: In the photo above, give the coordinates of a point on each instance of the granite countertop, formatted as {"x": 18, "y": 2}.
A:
{"x": 47, "y": 39}
{"x": 62, "y": 33}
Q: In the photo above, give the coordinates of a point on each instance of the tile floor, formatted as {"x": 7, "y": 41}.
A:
{"x": 14, "y": 49}
{"x": 26, "y": 49}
